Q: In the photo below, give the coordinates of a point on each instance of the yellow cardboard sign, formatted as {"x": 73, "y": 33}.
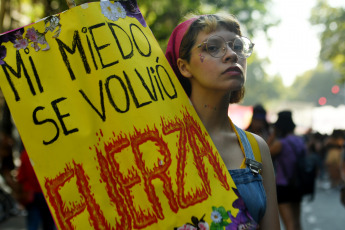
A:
{"x": 112, "y": 137}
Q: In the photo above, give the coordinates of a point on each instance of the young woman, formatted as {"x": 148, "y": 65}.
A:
{"x": 208, "y": 54}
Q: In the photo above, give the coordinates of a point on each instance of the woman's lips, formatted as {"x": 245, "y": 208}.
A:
{"x": 233, "y": 71}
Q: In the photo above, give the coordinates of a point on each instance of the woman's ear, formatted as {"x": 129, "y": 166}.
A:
{"x": 184, "y": 67}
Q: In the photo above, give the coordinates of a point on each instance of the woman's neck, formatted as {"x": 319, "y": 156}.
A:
{"x": 213, "y": 112}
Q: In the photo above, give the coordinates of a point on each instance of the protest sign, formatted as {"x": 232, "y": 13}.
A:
{"x": 112, "y": 137}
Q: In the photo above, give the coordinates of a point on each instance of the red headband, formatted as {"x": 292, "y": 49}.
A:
{"x": 173, "y": 48}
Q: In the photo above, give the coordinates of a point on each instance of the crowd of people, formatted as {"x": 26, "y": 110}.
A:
{"x": 324, "y": 158}
{"x": 208, "y": 54}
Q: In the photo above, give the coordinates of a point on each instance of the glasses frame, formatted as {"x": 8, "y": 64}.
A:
{"x": 251, "y": 46}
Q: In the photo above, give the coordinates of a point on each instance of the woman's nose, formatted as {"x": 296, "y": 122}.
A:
{"x": 229, "y": 54}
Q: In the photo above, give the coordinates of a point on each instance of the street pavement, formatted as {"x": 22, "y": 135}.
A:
{"x": 323, "y": 213}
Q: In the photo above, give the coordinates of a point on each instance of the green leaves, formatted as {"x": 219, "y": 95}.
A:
{"x": 331, "y": 22}
{"x": 219, "y": 218}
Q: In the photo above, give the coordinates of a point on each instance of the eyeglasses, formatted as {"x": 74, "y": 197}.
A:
{"x": 216, "y": 46}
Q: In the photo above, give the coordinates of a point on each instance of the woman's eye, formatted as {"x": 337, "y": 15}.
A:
{"x": 238, "y": 46}
{"x": 213, "y": 48}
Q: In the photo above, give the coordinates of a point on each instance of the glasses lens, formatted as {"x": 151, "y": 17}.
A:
{"x": 238, "y": 47}
{"x": 215, "y": 46}
{"x": 247, "y": 47}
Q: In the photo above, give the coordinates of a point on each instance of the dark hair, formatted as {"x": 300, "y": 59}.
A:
{"x": 284, "y": 123}
{"x": 259, "y": 113}
{"x": 207, "y": 23}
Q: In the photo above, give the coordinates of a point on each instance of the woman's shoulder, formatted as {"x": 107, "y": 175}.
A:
{"x": 263, "y": 147}
{"x": 262, "y": 143}
{"x": 266, "y": 158}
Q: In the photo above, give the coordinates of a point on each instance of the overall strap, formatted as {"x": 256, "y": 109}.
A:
{"x": 246, "y": 145}
{"x": 255, "y": 146}
{"x": 249, "y": 160}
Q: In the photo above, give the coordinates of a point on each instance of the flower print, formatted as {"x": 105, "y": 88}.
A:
{"x": 216, "y": 217}
{"x": 195, "y": 225}
{"x": 187, "y": 227}
{"x": 51, "y": 23}
{"x": 35, "y": 46}
{"x": 54, "y": 22}
{"x": 11, "y": 37}
{"x": 57, "y": 33}
{"x": 19, "y": 34}
{"x": 31, "y": 34}
{"x": 131, "y": 7}
{"x": 243, "y": 219}
{"x": 120, "y": 11}
{"x": 219, "y": 217}
{"x": 238, "y": 203}
{"x": 3, "y": 53}
{"x": 42, "y": 40}
{"x": 235, "y": 222}
{"x": 21, "y": 44}
{"x": 203, "y": 226}
{"x": 113, "y": 11}
{"x": 7, "y": 37}
{"x": 36, "y": 38}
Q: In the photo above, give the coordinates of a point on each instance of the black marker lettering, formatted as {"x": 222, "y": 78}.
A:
{"x": 99, "y": 48}
{"x": 18, "y": 74}
{"x": 101, "y": 115}
{"x": 124, "y": 56}
{"x": 37, "y": 122}
{"x": 172, "y": 84}
{"x": 141, "y": 42}
{"x": 91, "y": 51}
{"x": 131, "y": 90}
{"x": 76, "y": 43}
{"x": 38, "y": 81}
{"x": 60, "y": 117}
{"x": 110, "y": 95}
{"x": 153, "y": 95}
{"x": 153, "y": 71}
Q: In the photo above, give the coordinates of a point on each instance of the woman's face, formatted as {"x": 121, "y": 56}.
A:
{"x": 225, "y": 73}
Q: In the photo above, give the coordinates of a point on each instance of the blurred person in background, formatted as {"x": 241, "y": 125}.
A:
{"x": 316, "y": 144}
{"x": 30, "y": 195}
{"x": 342, "y": 172}
{"x": 259, "y": 124}
{"x": 334, "y": 148}
{"x": 284, "y": 145}
{"x": 6, "y": 147}
{"x": 313, "y": 161}
{"x": 8, "y": 206}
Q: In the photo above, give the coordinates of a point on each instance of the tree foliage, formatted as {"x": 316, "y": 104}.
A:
{"x": 161, "y": 16}
{"x": 332, "y": 22}
{"x": 261, "y": 88}
{"x": 318, "y": 83}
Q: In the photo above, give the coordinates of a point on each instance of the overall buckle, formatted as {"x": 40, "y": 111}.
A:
{"x": 254, "y": 166}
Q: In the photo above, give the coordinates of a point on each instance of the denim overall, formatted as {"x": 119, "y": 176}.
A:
{"x": 249, "y": 184}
